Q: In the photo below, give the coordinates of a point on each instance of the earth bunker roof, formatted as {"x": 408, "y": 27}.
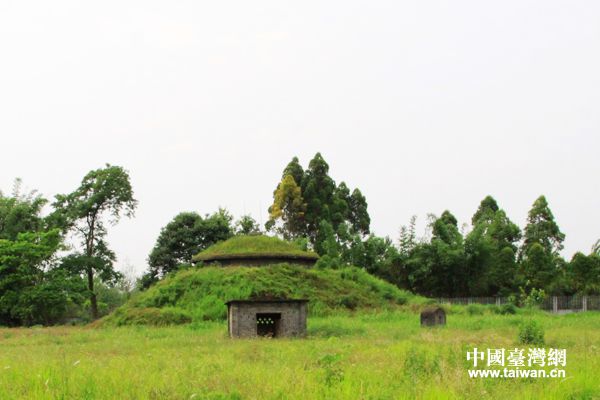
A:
{"x": 255, "y": 250}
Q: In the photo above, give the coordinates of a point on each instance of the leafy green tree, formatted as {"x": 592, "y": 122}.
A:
{"x": 585, "y": 273}
{"x": 30, "y": 291}
{"x": 20, "y": 212}
{"x": 295, "y": 170}
{"x": 289, "y": 206}
{"x": 359, "y": 216}
{"x": 486, "y": 211}
{"x": 439, "y": 268}
{"x": 542, "y": 229}
{"x": 539, "y": 255}
{"x": 184, "y": 236}
{"x": 318, "y": 192}
{"x": 408, "y": 237}
{"x": 538, "y": 267}
{"x": 246, "y": 225}
{"x": 104, "y": 195}
{"x": 306, "y": 198}
{"x": 490, "y": 249}
{"x": 33, "y": 289}
{"x": 326, "y": 241}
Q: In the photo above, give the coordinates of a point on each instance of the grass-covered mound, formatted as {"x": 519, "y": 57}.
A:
{"x": 254, "y": 246}
{"x": 198, "y": 294}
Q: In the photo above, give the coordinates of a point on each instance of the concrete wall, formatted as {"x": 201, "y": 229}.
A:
{"x": 242, "y": 318}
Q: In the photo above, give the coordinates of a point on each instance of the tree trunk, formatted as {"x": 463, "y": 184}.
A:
{"x": 93, "y": 301}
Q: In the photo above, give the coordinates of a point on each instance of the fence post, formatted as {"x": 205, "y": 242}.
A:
{"x": 554, "y": 304}
{"x": 497, "y": 301}
{"x": 584, "y": 303}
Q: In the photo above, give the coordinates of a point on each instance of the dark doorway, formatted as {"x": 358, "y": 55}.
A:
{"x": 267, "y": 325}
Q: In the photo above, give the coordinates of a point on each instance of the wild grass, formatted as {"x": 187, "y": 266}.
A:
{"x": 377, "y": 355}
{"x": 254, "y": 245}
{"x": 199, "y": 294}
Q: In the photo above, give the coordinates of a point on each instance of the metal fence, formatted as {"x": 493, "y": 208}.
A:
{"x": 556, "y": 304}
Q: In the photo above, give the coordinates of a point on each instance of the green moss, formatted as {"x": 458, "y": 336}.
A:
{"x": 255, "y": 246}
{"x": 202, "y": 292}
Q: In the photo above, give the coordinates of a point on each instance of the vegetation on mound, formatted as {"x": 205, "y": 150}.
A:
{"x": 199, "y": 294}
{"x": 253, "y": 246}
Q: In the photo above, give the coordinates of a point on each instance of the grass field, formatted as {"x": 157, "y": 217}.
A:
{"x": 366, "y": 356}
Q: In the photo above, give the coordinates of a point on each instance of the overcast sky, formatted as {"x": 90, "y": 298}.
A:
{"x": 423, "y": 105}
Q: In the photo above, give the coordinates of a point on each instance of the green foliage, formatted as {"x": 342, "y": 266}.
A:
{"x": 584, "y": 273}
{"x": 490, "y": 249}
{"x": 247, "y": 225}
{"x": 104, "y": 193}
{"x": 20, "y": 212}
{"x": 186, "y": 235}
{"x": 486, "y": 211}
{"x": 304, "y": 200}
{"x": 203, "y": 292}
{"x": 531, "y": 332}
{"x": 30, "y": 293}
{"x": 538, "y": 267}
{"x": 328, "y": 262}
{"x": 534, "y": 298}
{"x": 507, "y": 309}
{"x": 439, "y": 268}
{"x": 475, "y": 309}
{"x": 542, "y": 229}
{"x": 326, "y": 242}
{"x": 289, "y": 206}
{"x": 333, "y": 373}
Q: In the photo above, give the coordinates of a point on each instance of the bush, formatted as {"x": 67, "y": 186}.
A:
{"x": 349, "y": 301}
{"x": 506, "y": 309}
{"x": 530, "y": 332}
{"x": 475, "y": 309}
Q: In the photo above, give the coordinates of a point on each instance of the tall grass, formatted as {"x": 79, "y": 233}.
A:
{"x": 199, "y": 294}
{"x": 377, "y": 355}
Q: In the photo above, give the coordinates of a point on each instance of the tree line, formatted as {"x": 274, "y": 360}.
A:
{"x": 46, "y": 280}
{"x": 43, "y": 280}
{"x": 494, "y": 258}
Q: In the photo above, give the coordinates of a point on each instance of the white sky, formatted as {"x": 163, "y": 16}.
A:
{"x": 424, "y": 105}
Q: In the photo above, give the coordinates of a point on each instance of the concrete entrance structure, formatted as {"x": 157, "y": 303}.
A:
{"x": 266, "y": 318}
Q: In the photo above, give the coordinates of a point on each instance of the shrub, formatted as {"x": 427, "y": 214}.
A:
{"x": 475, "y": 309}
{"x": 333, "y": 373}
{"x": 349, "y": 301}
{"x": 530, "y": 332}
{"x": 506, "y": 309}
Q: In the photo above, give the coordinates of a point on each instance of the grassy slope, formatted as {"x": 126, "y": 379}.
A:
{"x": 367, "y": 356}
{"x": 253, "y": 245}
{"x": 200, "y": 293}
